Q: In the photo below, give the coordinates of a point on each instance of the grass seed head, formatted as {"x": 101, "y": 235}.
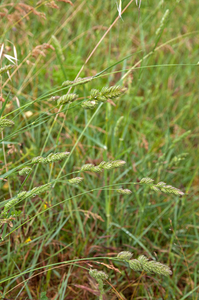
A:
{"x": 37, "y": 159}
{"x": 162, "y": 22}
{"x": 124, "y": 191}
{"x": 113, "y": 164}
{"x": 98, "y": 274}
{"x": 5, "y": 123}
{"x": 117, "y": 126}
{"x": 68, "y": 98}
{"x": 89, "y": 104}
{"x": 53, "y": 157}
{"x": 135, "y": 265}
{"x": 75, "y": 180}
{"x": 125, "y": 255}
{"x": 156, "y": 267}
{"x": 58, "y": 47}
{"x": 112, "y": 92}
{"x": 25, "y": 171}
{"x": 146, "y": 180}
{"x": 6, "y": 68}
{"x": 87, "y": 167}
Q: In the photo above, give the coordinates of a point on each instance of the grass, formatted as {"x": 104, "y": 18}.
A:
{"x": 48, "y": 250}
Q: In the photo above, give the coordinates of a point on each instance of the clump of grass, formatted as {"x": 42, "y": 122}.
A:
{"x": 134, "y": 214}
{"x": 9, "y": 215}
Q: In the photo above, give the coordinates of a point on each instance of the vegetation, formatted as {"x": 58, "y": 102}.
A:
{"x": 99, "y": 165}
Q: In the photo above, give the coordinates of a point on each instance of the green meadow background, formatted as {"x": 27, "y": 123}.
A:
{"x": 47, "y": 251}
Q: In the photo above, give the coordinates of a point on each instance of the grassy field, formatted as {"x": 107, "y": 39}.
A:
{"x": 59, "y": 218}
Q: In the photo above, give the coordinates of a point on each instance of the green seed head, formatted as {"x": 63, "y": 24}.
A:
{"x": 125, "y": 255}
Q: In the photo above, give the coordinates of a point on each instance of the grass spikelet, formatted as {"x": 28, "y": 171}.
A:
{"x": 161, "y": 187}
{"x": 125, "y": 255}
{"x": 58, "y": 47}
{"x": 167, "y": 189}
{"x": 99, "y": 277}
{"x": 135, "y": 265}
{"x": 124, "y": 191}
{"x": 6, "y": 68}
{"x": 172, "y": 190}
{"x": 156, "y": 267}
{"x": 24, "y": 195}
{"x": 117, "y": 126}
{"x": 9, "y": 205}
{"x": 112, "y": 92}
{"x": 160, "y": 184}
{"x": 103, "y": 166}
{"x": 75, "y": 180}
{"x": 142, "y": 259}
{"x": 162, "y": 22}
{"x": 113, "y": 164}
{"x": 37, "y": 190}
{"x": 155, "y": 188}
{"x": 83, "y": 80}
{"x": 146, "y": 180}
{"x": 5, "y": 123}
{"x": 21, "y": 195}
{"x": 68, "y": 98}
{"x": 180, "y": 138}
{"x": 91, "y": 167}
{"x": 89, "y": 104}
{"x": 67, "y": 83}
{"x": 106, "y": 93}
{"x": 87, "y": 167}
{"x": 98, "y": 274}
{"x": 78, "y": 81}
{"x": 143, "y": 264}
{"x": 96, "y": 169}
{"x": 94, "y": 94}
{"x": 53, "y": 157}
{"x": 25, "y": 171}
{"x": 177, "y": 159}
{"x": 37, "y": 159}
{"x": 12, "y": 202}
